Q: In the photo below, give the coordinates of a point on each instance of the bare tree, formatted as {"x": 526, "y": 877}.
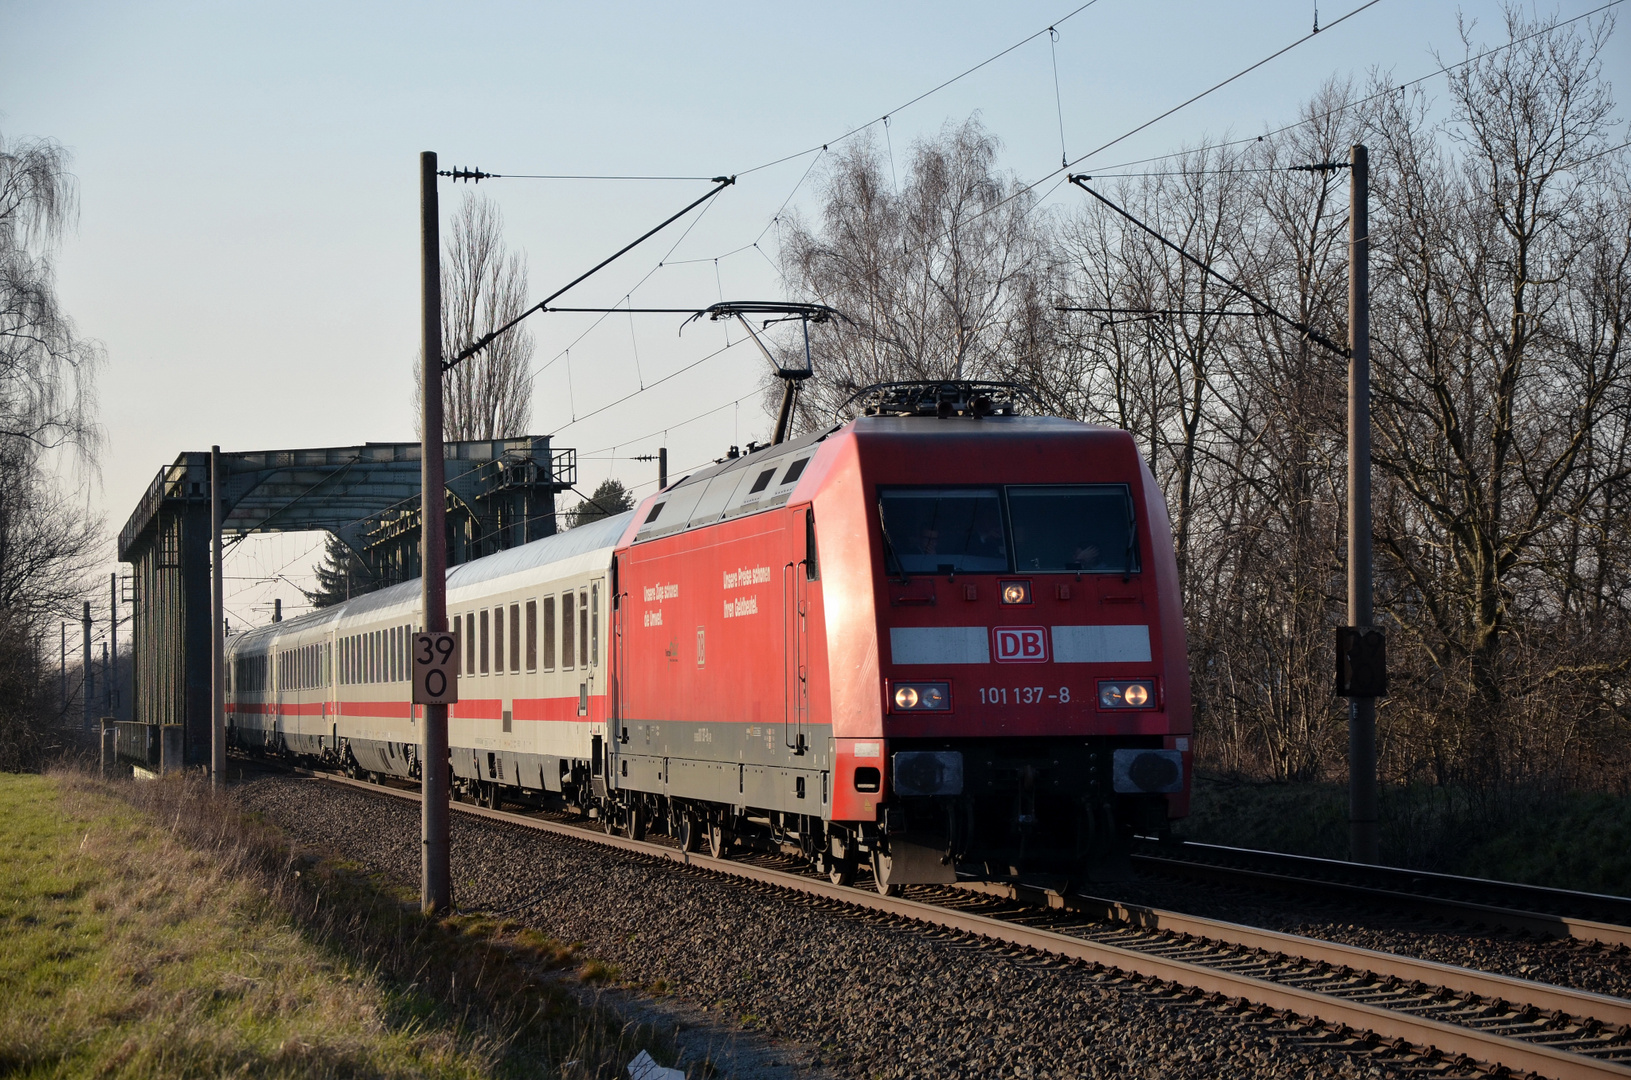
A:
{"x": 489, "y": 395}
{"x": 1503, "y": 378}
{"x": 944, "y": 279}
{"x": 47, "y": 371}
{"x": 47, "y": 407}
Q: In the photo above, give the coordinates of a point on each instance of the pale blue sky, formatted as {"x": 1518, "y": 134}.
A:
{"x": 247, "y": 244}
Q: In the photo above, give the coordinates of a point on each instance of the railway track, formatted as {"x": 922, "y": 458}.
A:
{"x": 1467, "y": 1017}
{"x": 1530, "y": 909}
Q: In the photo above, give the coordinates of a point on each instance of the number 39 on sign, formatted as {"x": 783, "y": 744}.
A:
{"x": 435, "y": 669}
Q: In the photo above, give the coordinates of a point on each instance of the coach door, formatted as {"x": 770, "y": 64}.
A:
{"x": 796, "y": 575}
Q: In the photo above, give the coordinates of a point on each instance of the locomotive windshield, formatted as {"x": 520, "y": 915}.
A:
{"x": 1085, "y": 528}
{"x": 1081, "y": 528}
{"x": 944, "y": 530}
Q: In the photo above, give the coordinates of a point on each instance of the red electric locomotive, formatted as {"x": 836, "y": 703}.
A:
{"x": 940, "y": 638}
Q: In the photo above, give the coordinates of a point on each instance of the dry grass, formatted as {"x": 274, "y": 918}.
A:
{"x": 152, "y": 930}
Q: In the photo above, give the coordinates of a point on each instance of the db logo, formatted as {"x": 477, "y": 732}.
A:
{"x": 1021, "y": 644}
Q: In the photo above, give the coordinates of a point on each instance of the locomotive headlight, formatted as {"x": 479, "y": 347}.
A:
{"x": 1127, "y": 694}
{"x": 1016, "y": 592}
{"x": 922, "y": 697}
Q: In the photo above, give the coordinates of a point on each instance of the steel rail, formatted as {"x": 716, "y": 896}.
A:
{"x": 1534, "y": 922}
{"x": 1484, "y": 984}
{"x": 1484, "y": 1046}
{"x": 1603, "y": 907}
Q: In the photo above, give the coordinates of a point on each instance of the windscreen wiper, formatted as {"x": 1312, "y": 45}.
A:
{"x": 889, "y": 548}
{"x": 1132, "y": 541}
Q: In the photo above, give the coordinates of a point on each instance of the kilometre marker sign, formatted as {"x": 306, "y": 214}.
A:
{"x": 435, "y": 669}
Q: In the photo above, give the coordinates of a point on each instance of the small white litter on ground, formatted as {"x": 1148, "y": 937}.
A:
{"x": 643, "y": 1068}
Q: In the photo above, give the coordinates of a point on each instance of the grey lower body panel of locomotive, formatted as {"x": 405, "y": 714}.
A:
{"x": 744, "y": 766}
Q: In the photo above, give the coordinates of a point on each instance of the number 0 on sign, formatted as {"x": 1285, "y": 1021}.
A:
{"x": 435, "y": 669}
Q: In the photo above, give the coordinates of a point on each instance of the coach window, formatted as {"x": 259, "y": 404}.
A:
{"x": 515, "y": 637}
{"x": 532, "y": 635}
{"x": 594, "y": 623}
{"x": 486, "y": 639}
{"x": 549, "y": 633}
{"x": 469, "y": 643}
{"x": 498, "y": 640}
{"x": 583, "y": 629}
{"x": 569, "y": 650}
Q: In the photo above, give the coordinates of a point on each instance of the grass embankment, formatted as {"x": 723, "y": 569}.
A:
{"x": 1568, "y": 841}
{"x": 150, "y": 930}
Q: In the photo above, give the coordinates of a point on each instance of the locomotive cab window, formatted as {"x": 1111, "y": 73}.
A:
{"x": 1086, "y": 528}
{"x": 943, "y": 530}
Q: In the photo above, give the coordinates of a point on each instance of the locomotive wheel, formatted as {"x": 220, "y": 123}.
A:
{"x": 840, "y": 869}
{"x": 690, "y": 832}
{"x": 719, "y": 841}
{"x": 636, "y": 822}
{"x": 880, "y": 875}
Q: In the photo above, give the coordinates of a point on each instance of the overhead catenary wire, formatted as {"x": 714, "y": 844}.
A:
{"x": 1367, "y": 99}
{"x": 1025, "y": 189}
{"x": 675, "y": 426}
{"x": 720, "y": 182}
{"x": 1219, "y": 86}
{"x": 819, "y": 150}
{"x": 926, "y": 94}
{"x": 1034, "y": 184}
{"x": 1058, "y": 100}
{"x": 590, "y": 176}
{"x": 1303, "y": 328}
{"x": 1055, "y": 173}
{"x": 636, "y": 393}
